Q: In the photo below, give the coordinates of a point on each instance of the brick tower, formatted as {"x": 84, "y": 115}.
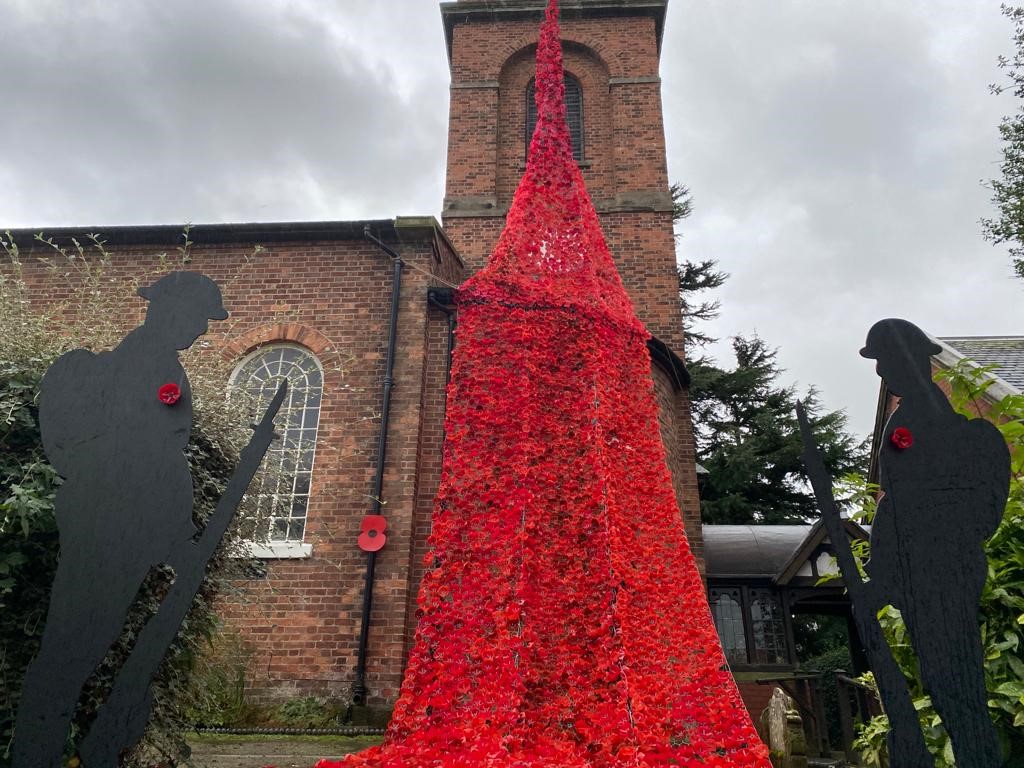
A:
{"x": 613, "y": 94}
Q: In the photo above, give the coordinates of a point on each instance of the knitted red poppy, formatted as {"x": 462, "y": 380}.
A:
{"x": 169, "y": 393}
{"x": 902, "y": 438}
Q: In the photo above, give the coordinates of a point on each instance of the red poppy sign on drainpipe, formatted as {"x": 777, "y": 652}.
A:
{"x": 372, "y": 537}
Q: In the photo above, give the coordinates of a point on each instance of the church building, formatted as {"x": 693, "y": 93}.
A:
{"x": 358, "y": 315}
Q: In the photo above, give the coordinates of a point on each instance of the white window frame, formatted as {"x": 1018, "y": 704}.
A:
{"x": 288, "y": 548}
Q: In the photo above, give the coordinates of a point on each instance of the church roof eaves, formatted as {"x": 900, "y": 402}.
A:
{"x": 170, "y": 235}
{"x": 749, "y": 551}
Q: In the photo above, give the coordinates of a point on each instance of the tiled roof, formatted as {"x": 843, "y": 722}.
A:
{"x": 1005, "y": 352}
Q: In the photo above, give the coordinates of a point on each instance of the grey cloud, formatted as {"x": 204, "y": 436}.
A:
{"x": 210, "y": 111}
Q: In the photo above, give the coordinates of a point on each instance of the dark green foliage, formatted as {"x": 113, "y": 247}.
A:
{"x": 745, "y": 420}
{"x": 310, "y": 712}
{"x": 28, "y": 536}
{"x": 749, "y": 441}
{"x": 828, "y": 663}
{"x": 216, "y": 696}
{"x": 1008, "y": 191}
{"x": 682, "y": 202}
{"x": 818, "y": 634}
{"x": 695, "y": 277}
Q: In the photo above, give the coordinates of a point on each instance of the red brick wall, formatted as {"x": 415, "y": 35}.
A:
{"x": 756, "y": 697}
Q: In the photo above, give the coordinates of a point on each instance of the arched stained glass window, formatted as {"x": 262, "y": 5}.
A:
{"x": 283, "y": 486}
{"x": 574, "y": 108}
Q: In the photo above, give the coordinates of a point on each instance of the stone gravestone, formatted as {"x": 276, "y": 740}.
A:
{"x": 782, "y": 728}
{"x": 114, "y": 426}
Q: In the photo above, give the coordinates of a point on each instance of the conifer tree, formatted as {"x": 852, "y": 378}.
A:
{"x": 744, "y": 418}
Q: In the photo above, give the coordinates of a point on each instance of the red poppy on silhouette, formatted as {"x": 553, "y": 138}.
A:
{"x": 372, "y": 537}
{"x": 169, "y": 394}
{"x": 901, "y": 437}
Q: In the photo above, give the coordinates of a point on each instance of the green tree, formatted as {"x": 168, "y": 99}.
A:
{"x": 682, "y": 201}
{"x": 749, "y": 441}
{"x": 695, "y": 277}
{"x": 1008, "y": 191}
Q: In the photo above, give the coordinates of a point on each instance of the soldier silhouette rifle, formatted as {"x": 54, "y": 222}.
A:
{"x": 944, "y": 481}
{"x": 114, "y": 426}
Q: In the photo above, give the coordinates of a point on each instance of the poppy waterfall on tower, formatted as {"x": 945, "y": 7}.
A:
{"x": 563, "y": 621}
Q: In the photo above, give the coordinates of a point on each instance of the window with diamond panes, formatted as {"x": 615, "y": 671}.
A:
{"x": 282, "y": 488}
{"x": 727, "y": 611}
{"x": 574, "y": 112}
{"x": 767, "y": 628}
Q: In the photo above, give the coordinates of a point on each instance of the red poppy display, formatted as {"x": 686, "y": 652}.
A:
{"x": 169, "y": 393}
{"x": 902, "y": 438}
{"x": 557, "y": 626}
{"x": 371, "y": 537}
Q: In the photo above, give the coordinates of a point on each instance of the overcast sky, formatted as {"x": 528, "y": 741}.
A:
{"x": 835, "y": 148}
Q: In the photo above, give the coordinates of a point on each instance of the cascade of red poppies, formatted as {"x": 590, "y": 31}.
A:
{"x": 562, "y": 621}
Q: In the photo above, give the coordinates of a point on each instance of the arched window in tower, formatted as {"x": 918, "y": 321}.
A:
{"x": 573, "y": 107}
{"x": 282, "y": 488}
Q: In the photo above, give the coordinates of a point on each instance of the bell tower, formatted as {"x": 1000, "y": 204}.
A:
{"x": 613, "y": 94}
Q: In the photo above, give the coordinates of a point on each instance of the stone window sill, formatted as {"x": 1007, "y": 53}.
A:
{"x": 280, "y": 550}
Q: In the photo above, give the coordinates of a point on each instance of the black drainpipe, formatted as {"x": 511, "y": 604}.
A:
{"x": 359, "y": 686}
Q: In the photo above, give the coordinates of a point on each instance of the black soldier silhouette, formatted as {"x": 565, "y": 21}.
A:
{"x": 944, "y": 480}
{"x": 114, "y": 426}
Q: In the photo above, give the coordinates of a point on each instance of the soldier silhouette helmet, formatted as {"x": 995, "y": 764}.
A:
{"x": 903, "y": 352}
{"x": 896, "y": 336}
{"x": 188, "y": 290}
{"x": 181, "y": 305}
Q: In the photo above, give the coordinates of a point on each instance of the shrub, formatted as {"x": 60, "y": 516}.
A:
{"x": 216, "y": 695}
{"x": 828, "y": 663}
